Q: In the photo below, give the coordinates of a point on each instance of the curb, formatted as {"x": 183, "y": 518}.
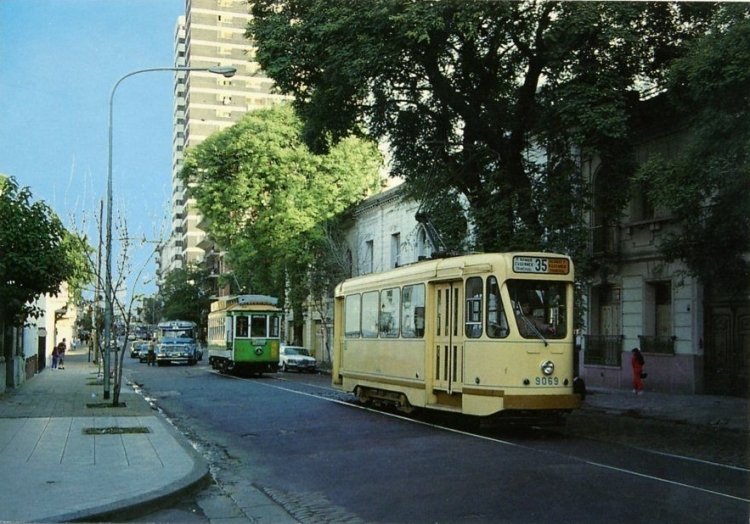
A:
{"x": 140, "y": 505}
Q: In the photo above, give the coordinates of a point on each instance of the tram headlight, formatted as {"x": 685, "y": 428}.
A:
{"x": 548, "y": 367}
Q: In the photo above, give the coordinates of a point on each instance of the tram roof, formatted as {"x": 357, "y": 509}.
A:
{"x": 253, "y": 307}
{"x": 245, "y": 303}
{"x": 453, "y": 268}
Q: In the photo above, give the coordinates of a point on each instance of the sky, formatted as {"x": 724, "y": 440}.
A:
{"x": 59, "y": 60}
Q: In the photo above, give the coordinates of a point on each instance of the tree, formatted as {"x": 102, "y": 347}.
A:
{"x": 488, "y": 100}
{"x": 125, "y": 303}
{"x": 707, "y": 185}
{"x": 151, "y": 310}
{"x": 268, "y": 198}
{"x": 37, "y": 254}
{"x": 185, "y": 297}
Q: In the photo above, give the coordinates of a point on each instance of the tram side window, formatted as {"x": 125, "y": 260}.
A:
{"x": 497, "y": 322}
{"x": 258, "y": 326}
{"x": 473, "y": 313}
{"x": 352, "y": 316}
{"x": 228, "y": 336}
{"x": 370, "y": 314}
{"x": 390, "y": 306}
{"x": 242, "y": 326}
{"x": 275, "y": 325}
{"x": 412, "y": 311}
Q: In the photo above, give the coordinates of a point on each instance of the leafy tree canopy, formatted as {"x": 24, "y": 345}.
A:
{"x": 267, "y": 197}
{"x": 707, "y": 186}
{"x": 37, "y": 253}
{"x": 469, "y": 94}
{"x": 150, "y": 311}
{"x": 184, "y": 296}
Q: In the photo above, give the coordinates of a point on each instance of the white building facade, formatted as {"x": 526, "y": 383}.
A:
{"x": 33, "y": 344}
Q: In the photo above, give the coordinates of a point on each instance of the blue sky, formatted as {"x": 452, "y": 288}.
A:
{"x": 59, "y": 60}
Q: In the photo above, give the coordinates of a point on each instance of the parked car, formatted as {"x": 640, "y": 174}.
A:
{"x": 297, "y": 358}
{"x": 138, "y": 349}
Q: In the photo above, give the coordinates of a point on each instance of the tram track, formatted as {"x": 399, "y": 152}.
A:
{"x": 678, "y": 470}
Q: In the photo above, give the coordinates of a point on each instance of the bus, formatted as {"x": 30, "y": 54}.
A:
{"x": 177, "y": 342}
{"x": 482, "y": 335}
{"x": 244, "y": 334}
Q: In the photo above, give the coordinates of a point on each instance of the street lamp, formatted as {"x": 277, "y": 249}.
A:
{"x": 227, "y": 72}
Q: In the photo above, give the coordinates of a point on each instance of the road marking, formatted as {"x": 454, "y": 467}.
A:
{"x": 691, "y": 459}
{"x": 523, "y": 446}
{"x": 659, "y": 479}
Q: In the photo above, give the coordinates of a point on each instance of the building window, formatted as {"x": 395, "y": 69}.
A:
{"x": 395, "y": 249}
{"x": 423, "y": 245}
{"x": 369, "y": 256}
{"x": 349, "y": 261}
{"x": 657, "y": 323}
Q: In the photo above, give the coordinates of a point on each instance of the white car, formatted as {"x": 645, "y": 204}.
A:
{"x": 297, "y": 358}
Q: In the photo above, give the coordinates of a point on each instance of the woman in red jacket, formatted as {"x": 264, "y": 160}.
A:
{"x": 637, "y": 362}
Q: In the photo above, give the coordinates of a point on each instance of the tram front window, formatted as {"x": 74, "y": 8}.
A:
{"x": 258, "y": 327}
{"x": 540, "y": 308}
{"x": 242, "y": 326}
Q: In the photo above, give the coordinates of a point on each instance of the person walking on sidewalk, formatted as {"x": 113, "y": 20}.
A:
{"x": 637, "y": 362}
{"x": 61, "y": 355}
{"x": 55, "y": 356}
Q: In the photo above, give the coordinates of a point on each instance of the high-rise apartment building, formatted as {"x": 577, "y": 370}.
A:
{"x": 212, "y": 33}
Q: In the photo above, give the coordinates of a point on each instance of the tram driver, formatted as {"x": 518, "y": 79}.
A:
{"x": 529, "y": 324}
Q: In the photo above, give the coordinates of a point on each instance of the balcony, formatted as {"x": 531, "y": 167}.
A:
{"x": 655, "y": 344}
{"x": 603, "y": 350}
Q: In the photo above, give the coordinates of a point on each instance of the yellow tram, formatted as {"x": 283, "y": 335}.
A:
{"x": 479, "y": 334}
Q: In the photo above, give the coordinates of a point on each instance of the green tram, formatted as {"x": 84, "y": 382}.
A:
{"x": 244, "y": 334}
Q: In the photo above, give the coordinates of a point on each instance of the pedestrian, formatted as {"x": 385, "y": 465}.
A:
{"x": 55, "y": 357}
{"x": 61, "y": 355}
{"x": 151, "y": 358}
{"x": 637, "y": 362}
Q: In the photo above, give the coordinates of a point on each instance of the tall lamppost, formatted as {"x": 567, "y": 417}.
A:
{"x": 227, "y": 72}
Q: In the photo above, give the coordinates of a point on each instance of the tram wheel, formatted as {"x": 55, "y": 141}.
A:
{"x": 404, "y": 406}
{"x": 362, "y": 396}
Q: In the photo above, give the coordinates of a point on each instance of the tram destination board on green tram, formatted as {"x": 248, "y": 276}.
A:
{"x": 542, "y": 265}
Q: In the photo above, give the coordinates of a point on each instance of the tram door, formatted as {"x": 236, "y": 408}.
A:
{"x": 448, "y": 355}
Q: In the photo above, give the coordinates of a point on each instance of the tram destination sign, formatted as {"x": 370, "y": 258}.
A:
{"x": 542, "y": 265}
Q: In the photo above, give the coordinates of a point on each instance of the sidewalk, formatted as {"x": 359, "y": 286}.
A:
{"x": 54, "y": 469}
{"x": 721, "y": 412}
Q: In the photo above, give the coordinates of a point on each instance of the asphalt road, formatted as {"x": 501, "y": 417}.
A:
{"x": 324, "y": 459}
